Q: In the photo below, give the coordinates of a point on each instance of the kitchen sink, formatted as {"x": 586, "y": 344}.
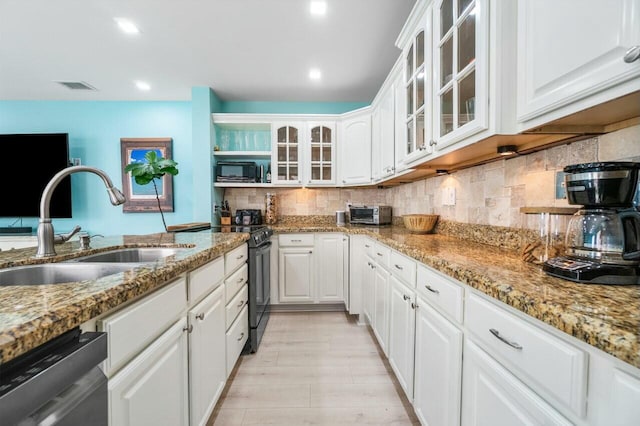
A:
{"x": 56, "y": 273}
{"x": 131, "y": 255}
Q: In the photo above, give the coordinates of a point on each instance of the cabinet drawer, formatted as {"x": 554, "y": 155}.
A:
{"x": 442, "y": 292}
{"x": 236, "y": 338}
{"x": 236, "y": 305}
{"x": 235, "y": 258}
{"x": 295, "y": 240}
{"x": 205, "y": 279}
{"x": 381, "y": 254}
{"x": 131, "y": 329}
{"x": 404, "y": 268}
{"x": 235, "y": 282}
{"x": 545, "y": 362}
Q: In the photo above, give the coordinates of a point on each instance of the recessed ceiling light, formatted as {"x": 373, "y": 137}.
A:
{"x": 141, "y": 85}
{"x": 315, "y": 74}
{"x": 127, "y": 26}
{"x": 318, "y": 7}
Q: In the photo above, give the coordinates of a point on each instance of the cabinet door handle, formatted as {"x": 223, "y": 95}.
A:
{"x": 241, "y": 303}
{"x": 200, "y": 316}
{"x": 367, "y": 246}
{"x": 379, "y": 254}
{"x": 240, "y": 279}
{"x": 296, "y": 241}
{"x": 432, "y": 290}
{"x": 508, "y": 342}
{"x": 632, "y": 54}
{"x": 241, "y": 336}
{"x": 240, "y": 257}
{"x": 398, "y": 266}
{"x": 414, "y": 305}
{"x": 432, "y": 143}
{"x": 310, "y": 251}
{"x": 188, "y": 328}
{"x": 405, "y": 297}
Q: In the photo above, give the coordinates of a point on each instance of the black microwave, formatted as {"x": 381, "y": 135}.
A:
{"x": 236, "y": 171}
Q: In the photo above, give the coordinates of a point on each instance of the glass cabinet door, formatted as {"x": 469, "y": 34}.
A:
{"x": 287, "y": 155}
{"x": 322, "y": 146}
{"x": 455, "y": 57}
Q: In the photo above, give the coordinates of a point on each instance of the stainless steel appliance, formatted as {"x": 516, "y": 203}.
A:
{"x": 248, "y": 217}
{"x": 237, "y": 171}
{"x": 58, "y": 383}
{"x": 370, "y": 215}
{"x": 259, "y": 280}
{"x": 603, "y": 239}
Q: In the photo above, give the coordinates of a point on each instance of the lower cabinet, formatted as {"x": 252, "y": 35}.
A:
{"x": 368, "y": 289}
{"x": 330, "y": 267}
{"x": 381, "y": 307}
{"x": 207, "y": 355}
{"x": 492, "y": 396}
{"x": 438, "y": 368}
{"x": 295, "y": 274}
{"x": 236, "y": 338}
{"x": 402, "y": 320}
{"x": 152, "y": 389}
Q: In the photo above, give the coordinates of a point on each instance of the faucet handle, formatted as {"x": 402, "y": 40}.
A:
{"x": 61, "y": 238}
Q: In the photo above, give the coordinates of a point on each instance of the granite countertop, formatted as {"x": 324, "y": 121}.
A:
{"x": 31, "y": 315}
{"x": 604, "y": 316}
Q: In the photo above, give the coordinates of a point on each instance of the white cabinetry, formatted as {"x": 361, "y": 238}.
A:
{"x": 296, "y": 273}
{"x": 286, "y": 160}
{"x": 438, "y": 368}
{"x": 329, "y": 267}
{"x": 381, "y": 306}
{"x": 207, "y": 357}
{"x": 383, "y": 128}
{"x": 236, "y": 305}
{"x": 493, "y": 396}
{"x": 565, "y": 64}
{"x": 320, "y": 164}
{"x": 402, "y": 320}
{"x": 355, "y": 147}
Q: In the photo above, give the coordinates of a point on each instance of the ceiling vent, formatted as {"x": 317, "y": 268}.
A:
{"x": 76, "y": 85}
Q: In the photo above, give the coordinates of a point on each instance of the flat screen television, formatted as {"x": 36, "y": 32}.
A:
{"x": 31, "y": 160}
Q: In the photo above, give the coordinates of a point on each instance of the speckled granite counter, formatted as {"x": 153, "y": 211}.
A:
{"x": 32, "y": 315}
{"x": 606, "y": 317}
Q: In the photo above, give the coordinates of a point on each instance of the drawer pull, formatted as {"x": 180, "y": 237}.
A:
{"x": 200, "y": 316}
{"x": 405, "y": 297}
{"x": 367, "y": 246}
{"x": 241, "y": 303}
{"x": 632, "y": 55}
{"x": 240, "y": 257}
{"x": 414, "y": 305}
{"x": 296, "y": 241}
{"x": 240, "y": 279}
{"x": 241, "y": 336}
{"x": 512, "y": 344}
{"x": 432, "y": 290}
{"x": 399, "y": 267}
{"x": 379, "y": 254}
{"x": 188, "y": 328}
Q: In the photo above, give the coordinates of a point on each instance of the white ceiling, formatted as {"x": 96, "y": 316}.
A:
{"x": 246, "y": 50}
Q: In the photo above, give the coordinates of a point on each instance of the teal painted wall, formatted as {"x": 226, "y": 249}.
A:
{"x": 95, "y": 129}
{"x": 291, "y": 107}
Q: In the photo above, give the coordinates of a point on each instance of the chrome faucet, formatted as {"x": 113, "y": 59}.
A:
{"x": 46, "y": 238}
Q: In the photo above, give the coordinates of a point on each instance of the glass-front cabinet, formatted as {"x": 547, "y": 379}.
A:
{"x": 460, "y": 69}
{"x": 321, "y": 153}
{"x": 286, "y": 154}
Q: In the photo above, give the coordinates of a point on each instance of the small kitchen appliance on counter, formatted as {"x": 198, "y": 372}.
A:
{"x": 248, "y": 217}
{"x": 370, "y": 215}
{"x": 603, "y": 238}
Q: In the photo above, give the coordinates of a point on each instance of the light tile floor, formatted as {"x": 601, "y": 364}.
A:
{"x": 318, "y": 368}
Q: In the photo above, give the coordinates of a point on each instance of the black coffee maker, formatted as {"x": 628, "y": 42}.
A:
{"x": 603, "y": 238}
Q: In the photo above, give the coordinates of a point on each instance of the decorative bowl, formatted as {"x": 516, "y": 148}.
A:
{"x": 420, "y": 223}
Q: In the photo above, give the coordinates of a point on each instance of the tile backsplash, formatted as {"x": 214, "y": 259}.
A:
{"x": 489, "y": 194}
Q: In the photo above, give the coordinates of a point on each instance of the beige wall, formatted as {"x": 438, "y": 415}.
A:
{"x": 490, "y": 194}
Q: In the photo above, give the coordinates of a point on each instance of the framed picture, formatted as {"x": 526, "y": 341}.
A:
{"x": 142, "y": 198}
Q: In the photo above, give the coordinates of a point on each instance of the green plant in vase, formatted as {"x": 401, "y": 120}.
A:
{"x": 155, "y": 167}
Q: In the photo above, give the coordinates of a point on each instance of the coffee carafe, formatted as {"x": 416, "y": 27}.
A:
{"x": 603, "y": 238}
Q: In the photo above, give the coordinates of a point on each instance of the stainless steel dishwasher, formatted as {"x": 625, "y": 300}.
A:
{"x": 58, "y": 383}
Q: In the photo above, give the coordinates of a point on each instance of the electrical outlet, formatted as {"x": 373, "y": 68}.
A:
{"x": 561, "y": 192}
{"x": 77, "y": 161}
{"x": 449, "y": 196}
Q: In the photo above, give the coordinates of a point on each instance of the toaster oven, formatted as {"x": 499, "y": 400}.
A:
{"x": 370, "y": 215}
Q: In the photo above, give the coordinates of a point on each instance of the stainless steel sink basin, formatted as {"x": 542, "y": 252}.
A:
{"x": 131, "y": 255}
{"x": 56, "y": 273}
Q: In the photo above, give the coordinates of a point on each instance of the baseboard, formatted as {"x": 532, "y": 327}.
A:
{"x": 316, "y": 307}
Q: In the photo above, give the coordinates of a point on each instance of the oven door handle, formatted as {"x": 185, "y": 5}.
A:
{"x": 264, "y": 247}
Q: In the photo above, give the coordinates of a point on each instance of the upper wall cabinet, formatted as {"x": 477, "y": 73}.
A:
{"x": 321, "y": 152}
{"x": 355, "y": 148}
{"x": 287, "y": 152}
{"x": 383, "y": 120}
{"x": 575, "y": 54}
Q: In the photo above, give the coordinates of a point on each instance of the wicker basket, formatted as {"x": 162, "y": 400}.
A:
{"x": 420, "y": 223}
